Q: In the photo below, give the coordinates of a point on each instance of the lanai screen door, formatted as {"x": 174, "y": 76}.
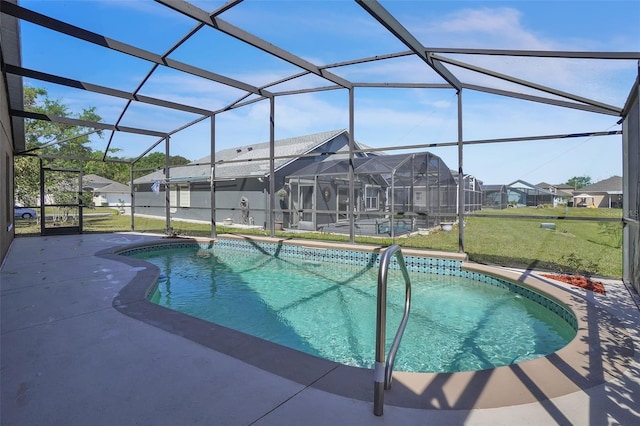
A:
{"x": 60, "y": 201}
{"x": 342, "y": 202}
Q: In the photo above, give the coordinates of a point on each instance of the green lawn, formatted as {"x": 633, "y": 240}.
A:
{"x": 592, "y": 248}
{"x": 576, "y": 246}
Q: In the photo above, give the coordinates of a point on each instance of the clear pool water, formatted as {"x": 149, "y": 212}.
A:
{"x": 329, "y": 310}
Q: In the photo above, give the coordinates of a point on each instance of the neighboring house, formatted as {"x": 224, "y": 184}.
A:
{"x": 114, "y": 194}
{"x": 106, "y": 192}
{"x": 523, "y": 193}
{"x": 566, "y": 189}
{"x": 605, "y": 193}
{"x": 562, "y": 192}
{"x": 241, "y": 179}
{"x": 95, "y": 181}
{"x": 393, "y": 194}
{"x": 494, "y": 196}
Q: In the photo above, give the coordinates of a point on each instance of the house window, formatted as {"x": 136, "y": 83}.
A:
{"x": 173, "y": 198}
{"x": 184, "y": 196}
{"x": 420, "y": 197}
{"x": 180, "y": 196}
{"x": 371, "y": 197}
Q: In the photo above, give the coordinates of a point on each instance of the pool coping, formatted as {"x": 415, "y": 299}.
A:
{"x": 600, "y": 352}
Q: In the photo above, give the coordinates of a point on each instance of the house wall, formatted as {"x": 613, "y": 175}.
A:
{"x": 111, "y": 199}
{"x": 588, "y": 201}
{"x": 99, "y": 200}
{"x": 7, "y": 225}
{"x": 601, "y": 200}
{"x": 114, "y": 199}
{"x": 229, "y": 193}
{"x": 9, "y": 128}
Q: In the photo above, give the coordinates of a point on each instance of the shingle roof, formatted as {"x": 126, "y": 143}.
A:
{"x": 561, "y": 190}
{"x": 294, "y": 147}
{"x": 545, "y": 185}
{"x": 611, "y": 185}
{"x": 521, "y": 184}
{"x": 95, "y": 181}
{"x": 114, "y": 188}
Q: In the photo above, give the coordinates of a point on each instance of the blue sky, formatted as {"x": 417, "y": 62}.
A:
{"x": 325, "y": 32}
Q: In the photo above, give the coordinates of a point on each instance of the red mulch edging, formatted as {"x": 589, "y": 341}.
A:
{"x": 578, "y": 281}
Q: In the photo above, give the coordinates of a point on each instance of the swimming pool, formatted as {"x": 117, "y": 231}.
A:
{"x": 460, "y": 320}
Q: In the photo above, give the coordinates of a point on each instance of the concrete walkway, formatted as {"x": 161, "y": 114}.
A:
{"x": 68, "y": 357}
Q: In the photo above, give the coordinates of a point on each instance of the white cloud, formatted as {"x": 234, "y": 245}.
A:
{"x": 484, "y": 27}
{"x": 502, "y": 28}
{"x": 388, "y": 117}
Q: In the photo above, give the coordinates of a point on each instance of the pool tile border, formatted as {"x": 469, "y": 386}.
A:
{"x": 418, "y": 264}
{"x": 579, "y": 366}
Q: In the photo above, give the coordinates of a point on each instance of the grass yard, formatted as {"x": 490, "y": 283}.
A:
{"x": 575, "y": 247}
{"x": 591, "y": 248}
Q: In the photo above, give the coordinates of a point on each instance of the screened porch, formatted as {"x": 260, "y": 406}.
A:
{"x": 394, "y": 195}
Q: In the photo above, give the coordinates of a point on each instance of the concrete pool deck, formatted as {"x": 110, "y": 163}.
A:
{"x": 69, "y": 357}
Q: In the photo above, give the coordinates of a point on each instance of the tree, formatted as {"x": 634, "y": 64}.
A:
{"x": 116, "y": 171}
{"x": 39, "y": 133}
{"x": 578, "y": 182}
{"x": 155, "y": 161}
{"x": 44, "y": 134}
{"x": 27, "y": 180}
{"x": 68, "y": 143}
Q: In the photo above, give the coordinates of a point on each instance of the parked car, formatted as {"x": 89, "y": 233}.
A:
{"x": 24, "y": 213}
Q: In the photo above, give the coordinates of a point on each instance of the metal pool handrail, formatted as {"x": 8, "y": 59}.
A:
{"x": 382, "y": 371}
